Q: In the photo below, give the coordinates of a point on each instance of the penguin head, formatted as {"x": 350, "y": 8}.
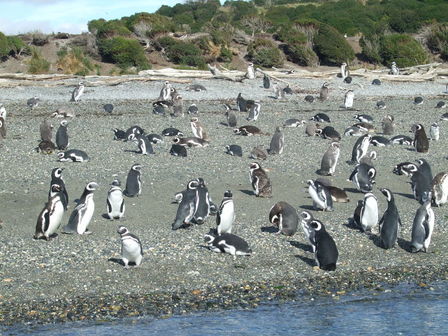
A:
{"x": 57, "y": 172}
{"x": 307, "y": 216}
{"x": 122, "y": 230}
{"x": 325, "y": 85}
{"x": 371, "y": 173}
{"x": 116, "y": 183}
{"x": 228, "y": 194}
{"x": 335, "y": 144}
{"x": 193, "y": 184}
{"x": 416, "y": 128}
{"x": 61, "y": 155}
{"x": 236, "y": 131}
{"x": 386, "y": 192}
{"x": 195, "y": 119}
{"x": 137, "y": 167}
{"x": 316, "y": 225}
{"x": 201, "y": 181}
{"x": 91, "y": 186}
{"x": 176, "y": 140}
{"x": 254, "y": 165}
{"x": 64, "y": 123}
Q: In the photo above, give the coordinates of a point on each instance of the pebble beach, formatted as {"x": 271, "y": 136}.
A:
{"x": 78, "y": 277}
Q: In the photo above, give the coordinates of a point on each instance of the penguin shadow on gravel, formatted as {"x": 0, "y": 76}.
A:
{"x": 311, "y": 262}
{"x": 118, "y": 261}
{"x": 404, "y": 244}
{"x": 299, "y": 245}
{"x": 247, "y": 192}
{"x": 410, "y": 196}
{"x": 351, "y": 224}
{"x": 307, "y": 207}
{"x": 269, "y": 229}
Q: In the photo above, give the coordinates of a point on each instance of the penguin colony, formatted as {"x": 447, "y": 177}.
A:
{"x": 195, "y": 205}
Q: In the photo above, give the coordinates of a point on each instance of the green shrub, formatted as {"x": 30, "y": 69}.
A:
{"x": 37, "y": 64}
{"x": 265, "y": 53}
{"x": 106, "y": 29}
{"x": 225, "y": 55}
{"x": 123, "y": 51}
{"x": 371, "y": 48}
{"x": 403, "y": 49}
{"x": 437, "y": 40}
{"x": 297, "y": 47}
{"x": 16, "y": 45}
{"x": 183, "y": 53}
{"x": 4, "y": 46}
{"x": 331, "y": 46}
{"x": 152, "y": 23}
{"x": 74, "y": 62}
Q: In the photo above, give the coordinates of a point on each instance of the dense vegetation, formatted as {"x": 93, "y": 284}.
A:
{"x": 266, "y": 32}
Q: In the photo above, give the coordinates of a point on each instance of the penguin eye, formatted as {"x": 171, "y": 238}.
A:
{"x": 371, "y": 173}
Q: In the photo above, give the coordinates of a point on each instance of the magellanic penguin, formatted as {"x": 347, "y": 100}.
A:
{"x": 421, "y": 142}
{"x": 227, "y": 243}
{"x": 178, "y": 150}
{"x": 439, "y": 187}
{"x": 165, "y": 92}
{"x": 202, "y": 210}
{"x": 266, "y": 81}
{"x": 363, "y": 118}
{"x": 115, "y": 201}
{"x": 250, "y": 73}
{"x": 388, "y": 125}
{"x": 197, "y": 129}
{"x": 33, "y": 102}
{"x": 77, "y": 92}
{"x": 133, "y": 181}
{"x": 234, "y": 150}
{"x": 284, "y": 216}
{"x": 50, "y": 217}
{"x": 394, "y": 70}
{"x": 348, "y": 99}
{"x": 62, "y": 136}
{"x": 401, "y": 140}
{"x": 434, "y": 132}
{"x": 196, "y": 88}
{"x": 56, "y": 179}
{"x": 326, "y": 250}
{"x": 243, "y": 104}
{"x": 344, "y": 70}
{"x": 254, "y": 111}
{"x": 190, "y": 142}
{"x": 363, "y": 176}
{"x": 178, "y": 106}
{"x": 46, "y": 130}
{"x": 230, "y": 116}
{"x": 248, "y": 130}
{"x": 277, "y": 142}
{"x": 330, "y": 160}
{"x": 154, "y": 138}
{"x": 368, "y": 217}
{"x": 143, "y": 144}
{"x": 171, "y": 131}
{"x": 305, "y": 219}
{"x": 293, "y": 122}
{"x": 260, "y": 180}
{"x": 360, "y": 148}
{"x": 73, "y": 155}
{"x": 119, "y": 134}
{"x": 82, "y": 215}
{"x": 329, "y": 132}
{"x": 320, "y": 117}
{"x": 226, "y": 214}
{"x": 320, "y": 195}
{"x": 420, "y": 181}
{"x": 131, "y": 247}
{"x": 193, "y": 109}
{"x": 258, "y": 153}
{"x": 324, "y": 92}
{"x": 3, "y": 112}
{"x": 187, "y": 206}
{"x": 422, "y": 228}
{"x": 2, "y": 128}
{"x": 390, "y": 222}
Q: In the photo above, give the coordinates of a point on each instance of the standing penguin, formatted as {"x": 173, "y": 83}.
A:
{"x": 360, "y": 148}
{"x": 50, "y": 217}
{"x": 368, "y": 216}
{"x": 187, "y": 206}
{"x": 326, "y": 250}
{"x": 434, "y": 132}
{"x": 394, "y": 70}
{"x": 178, "y": 106}
{"x": 390, "y": 221}
{"x": 133, "y": 181}
{"x": 82, "y": 215}
{"x": 388, "y": 125}
{"x": 439, "y": 188}
{"x": 115, "y": 201}
{"x": 348, "y": 99}
{"x": 285, "y": 217}
{"x": 320, "y": 195}
{"x": 260, "y": 180}
{"x": 277, "y": 142}
{"x": 143, "y": 143}
{"x": 330, "y": 160}
{"x": 422, "y": 228}
{"x": 62, "y": 136}
{"x": 46, "y": 131}
{"x": 324, "y": 92}
{"x": 197, "y": 129}
{"x": 2, "y": 111}
{"x": 230, "y": 116}
{"x": 250, "y": 74}
{"x": 131, "y": 247}
{"x": 278, "y": 91}
{"x": 2, "y": 128}
{"x": 254, "y": 111}
{"x": 165, "y": 92}
{"x": 77, "y": 92}
{"x": 305, "y": 220}
{"x": 344, "y": 70}
{"x": 56, "y": 179}
{"x": 226, "y": 214}
{"x": 421, "y": 142}
{"x": 202, "y": 210}
{"x": 266, "y": 81}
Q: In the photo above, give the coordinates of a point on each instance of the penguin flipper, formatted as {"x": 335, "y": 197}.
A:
{"x": 109, "y": 206}
{"x": 73, "y": 221}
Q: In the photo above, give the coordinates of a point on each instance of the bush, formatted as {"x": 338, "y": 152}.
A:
{"x": 298, "y": 46}
{"x": 225, "y": 55}
{"x": 4, "y": 46}
{"x": 154, "y": 24}
{"x": 106, "y": 29}
{"x": 74, "y": 62}
{"x": 331, "y": 46}
{"x": 16, "y": 45}
{"x": 182, "y": 53}
{"x": 38, "y": 64}
{"x": 402, "y": 49}
{"x": 123, "y": 51}
{"x": 371, "y": 48}
{"x": 437, "y": 40}
{"x": 265, "y": 53}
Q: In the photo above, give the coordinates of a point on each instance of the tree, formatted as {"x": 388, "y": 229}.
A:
{"x": 256, "y": 23}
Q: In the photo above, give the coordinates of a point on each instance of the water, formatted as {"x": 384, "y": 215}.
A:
{"x": 405, "y": 310}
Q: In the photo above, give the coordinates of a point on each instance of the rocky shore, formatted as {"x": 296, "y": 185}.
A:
{"x": 78, "y": 277}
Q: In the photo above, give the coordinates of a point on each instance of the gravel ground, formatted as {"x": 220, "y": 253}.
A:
{"x": 75, "y": 277}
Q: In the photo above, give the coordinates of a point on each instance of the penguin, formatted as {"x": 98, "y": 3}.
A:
{"x": 394, "y": 70}
{"x": 439, "y": 188}
{"x": 293, "y": 123}
{"x": 324, "y": 92}
{"x": 356, "y": 220}
{"x": 344, "y": 71}
{"x": 193, "y": 109}
{"x": 81, "y": 216}
{"x": 115, "y": 201}
{"x": 365, "y": 127}
{"x": 368, "y": 217}
{"x": 226, "y": 214}
{"x": 278, "y": 91}
{"x": 2, "y": 128}
{"x": 354, "y": 131}
{"x": 440, "y": 104}
{"x": 202, "y": 209}
{"x": 380, "y": 105}
{"x": 197, "y": 129}
{"x": 234, "y": 150}
{"x": 46, "y": 147}
{"x": 348, "y": 99}
{"x": 420, "y": 184}
{"x": 421, "y": 142}
{"x": 277, "y": 142}
{"x": 444, "y": 116}
{"x": 363, "y": 118}
{"x": 305, "y": 219}
{"x": 337, "y": 194}
{"x": 56, "y": 179}
{"x": 230, "y": 116}
{"x": 390, "y": 222}
{"x": 326, "y": 250}
{"x": 62, "y": 136}
{"x": 388, "y": 125}
{"x": 196, "y": 88}
{"x": 159, "y": 108}
{"x": 61, "y": 113}
{"x": 242, "y": 103}
{"x": 248, "y": 130}
{"x": 405, "y": 168}
{"x": 178, "y": 150}
{"x": 178, "y": 106}
{"x": 143, "y": 144}
{"x": 425, "y": 168}
{"x": 154, "y": 138}
{"x": 190, "y": 142}
{"x": 109, "y": 108}
{"x": 46, "y": 130}
{"x": 401, "y": 140}
{"x": 260, "y": 181}
{"x": 187, "y": 206}
{"x": 131, "y": 247}
{"x": 165, "y": 92}
{"x": 50, "y": 217}
{"x": 313, "y": 129}
{"x": 418, "y": 101}
{"x": 73, "y": 155}
{"x": 368, "y": 159}
{"x": 376, "y": 81}
{"x": 363, "y": 176}
{"x": 287, "y": 90}
{"x": 330, "y": 160}
{"x": 379, "y": 141}
{"x": 258, "y": 153}
{"x": 328, "y": 132}
{"x": 119, "y": 134}
{"x": 309, "y": 99}
{"x": 360, "y": 148}
{"x": 320, "y": 117}
{"x": 434, "y": 132}
{"x": 422, "y": 228}
{"x": 250, "y": 74}
{"x": 284, "y": 216}
{"x": 133, "y": 181}
{"x": 320, "y": 195}
{"x": 135, "y": 130}
{"x": 266, "y": 81}
{"x": 171, "y": 131}
{"x": 227, "y": 243}
{"x": 77, "y": 92}
{"x": 254, "y": 111}
{"x": 33, "y": 102}
{"x": 2, "y": 111}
